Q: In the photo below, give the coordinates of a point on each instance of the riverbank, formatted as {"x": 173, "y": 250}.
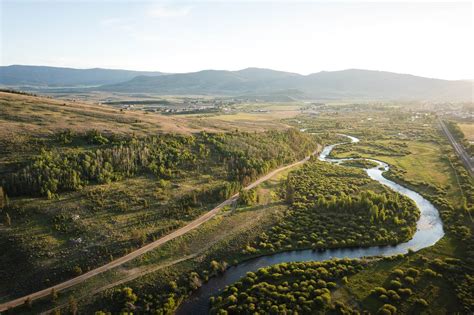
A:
{"x": 429, "y": 231}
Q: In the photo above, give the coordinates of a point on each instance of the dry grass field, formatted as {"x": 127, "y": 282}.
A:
{"x": 22, "y": 115}
{"x": 468, "y": 130}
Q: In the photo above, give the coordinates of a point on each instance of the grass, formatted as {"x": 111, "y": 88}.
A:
{"x": 468, "y": 130}
{"x": 33, "y": 116}
{"x": 109, "y": 220}
{"x": 222, "y": 238}
{"x": 424, "y": 163}
{"x": 213, "y": 240}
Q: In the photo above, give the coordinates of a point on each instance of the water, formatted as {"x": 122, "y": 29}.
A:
{"x": 429, "y": 231}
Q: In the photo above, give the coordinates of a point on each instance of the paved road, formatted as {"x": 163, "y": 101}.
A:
{"x": 119, "y": 261}
{"x": 463, "y": 155}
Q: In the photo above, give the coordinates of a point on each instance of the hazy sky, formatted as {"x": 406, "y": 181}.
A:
{"x": 421, "y": 38}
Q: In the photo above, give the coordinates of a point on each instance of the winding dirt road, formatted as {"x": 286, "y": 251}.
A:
{"x": 119, "y": 261}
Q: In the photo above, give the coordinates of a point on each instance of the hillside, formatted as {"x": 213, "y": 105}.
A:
{"x": 249, "y": 80}
{"x": 40, "y": 76}
{"x": 351, "y": 84}
{"x": 346, "y": 84}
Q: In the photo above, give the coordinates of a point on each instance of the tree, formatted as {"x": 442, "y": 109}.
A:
{"x": 54, "y": 295}
{"x": 7, "y": 220}
{"x": 72, "y": 305}
{"x": 248, "y": 197}
{"x": 129, "y": 296}
{"x": 3, "y": 198}
{"x": 77, "y": 270}
{"x": 214, "y": 266}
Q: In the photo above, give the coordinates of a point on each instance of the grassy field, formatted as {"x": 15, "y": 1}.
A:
{"x": 254, "y": 117}
{"x": 24, "y": 116}
{"x": 468, "y": 130}
{"x": 30, "y": 115}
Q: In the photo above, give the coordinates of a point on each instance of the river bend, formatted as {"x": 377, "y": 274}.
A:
{"x": 429, "y": 231}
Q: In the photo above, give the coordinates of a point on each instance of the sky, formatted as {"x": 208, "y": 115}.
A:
{"x": 432, "y": 39}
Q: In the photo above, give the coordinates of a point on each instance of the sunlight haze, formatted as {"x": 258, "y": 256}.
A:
{"x": 427, "y": 39}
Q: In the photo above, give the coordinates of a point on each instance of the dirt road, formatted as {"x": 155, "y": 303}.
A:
{"x": 119, "y": 261}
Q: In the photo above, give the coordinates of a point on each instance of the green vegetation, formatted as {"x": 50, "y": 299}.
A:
{"x": 461, "y": 138}
{"x": 360, "y": 163}
{"x": 435, "y": 280}
{"x": 140, "y": 185}
{"x": 109, "y": 194}
{"x": 334, "y": 206}
{"x": 287, "y": 288}
{"x": 396, "y": 284}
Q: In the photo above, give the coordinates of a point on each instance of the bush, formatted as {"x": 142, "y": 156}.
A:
{"x": 387, "y": 309}
{"x": 395, "y": 284}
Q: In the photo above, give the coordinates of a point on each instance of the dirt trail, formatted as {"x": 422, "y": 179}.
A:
{"x": 119, "y": 261}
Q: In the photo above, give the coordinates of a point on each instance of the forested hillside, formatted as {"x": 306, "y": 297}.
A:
{"x": 91, "y": 196}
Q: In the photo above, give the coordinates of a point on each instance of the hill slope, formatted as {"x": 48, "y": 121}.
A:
{"x": 57, "y": 77}
{"x": 354, "y": 84}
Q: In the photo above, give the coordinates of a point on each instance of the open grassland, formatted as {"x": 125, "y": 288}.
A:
{"x": 248, "y": 116}
{"x": 24, "y": 117}
{"x": 40, "y": 116}
{"x": 468, "y": 130}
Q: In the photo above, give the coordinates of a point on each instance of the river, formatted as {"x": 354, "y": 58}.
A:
{"x": 429, "y": 231}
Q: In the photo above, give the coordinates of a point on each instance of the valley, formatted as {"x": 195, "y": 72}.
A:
{"x": 138, "y": 220}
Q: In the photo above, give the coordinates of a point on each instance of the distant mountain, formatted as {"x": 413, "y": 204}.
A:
{"x": 41, "y": 76}
{"x": 258, "y": 83}
{"x": 346, "y": 84}
{"x": 249, "y": 80}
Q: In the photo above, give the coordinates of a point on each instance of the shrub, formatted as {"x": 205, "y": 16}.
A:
{"x": 421, "y": 302}
{"x": 387, "y": 309}
{"x": 409, "y": 280}
{"x": 395, "y": 284}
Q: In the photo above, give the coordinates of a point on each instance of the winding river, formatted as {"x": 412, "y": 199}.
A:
{"x": 429, "y": 231}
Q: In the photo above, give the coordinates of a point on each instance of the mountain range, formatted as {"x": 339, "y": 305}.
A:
{"x": 42, "y": 76}
{"x": 345, "y": 84}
